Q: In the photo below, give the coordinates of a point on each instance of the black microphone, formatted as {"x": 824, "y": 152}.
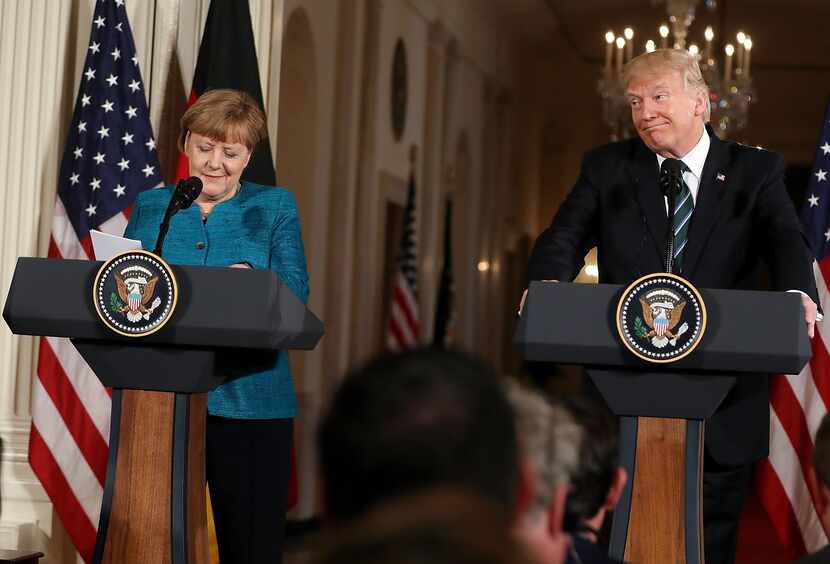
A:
{"x": 184, "y": 195}
{"x": 671, "y": 184}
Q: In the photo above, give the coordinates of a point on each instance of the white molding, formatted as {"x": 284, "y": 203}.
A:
{"x": 17, "y": 481}
{"x": 23, "y": 535}
{"x": 14, "y": 434}
{"x": 10, "y": 532}
{"x": 27, "y": 520}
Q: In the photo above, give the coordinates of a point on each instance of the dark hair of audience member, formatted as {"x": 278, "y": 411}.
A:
{"x": 432, "y": 527}
{"x": 821, "y": 452}
{"x": 598, "y": 460}
{"x": 417, "y": 420}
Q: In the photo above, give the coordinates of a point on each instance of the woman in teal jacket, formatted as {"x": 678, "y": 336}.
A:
{"x": 241, "y": 225}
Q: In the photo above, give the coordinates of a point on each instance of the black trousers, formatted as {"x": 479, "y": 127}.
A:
{"x": 724, "y": 492}
{"x": 248, "y": 466}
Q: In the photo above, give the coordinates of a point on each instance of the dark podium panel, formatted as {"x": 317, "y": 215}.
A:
{"x": 748, "y": 331}
{"x": 154, "y": 497}
{"x": 218, "y": 307}
{"x": 663, "y": 408}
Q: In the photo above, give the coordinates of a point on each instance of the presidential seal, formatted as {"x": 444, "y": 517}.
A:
{"x": 135, "y": 293}
{"x": 661, "y": 318}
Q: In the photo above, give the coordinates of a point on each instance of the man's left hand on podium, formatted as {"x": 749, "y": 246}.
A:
{"x": 810, "y": 314}
{"x": 524, "y": 297}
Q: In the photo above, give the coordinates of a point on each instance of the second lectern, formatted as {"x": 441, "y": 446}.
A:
{"x": 663, "y": 407}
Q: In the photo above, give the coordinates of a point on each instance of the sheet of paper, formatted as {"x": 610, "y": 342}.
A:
{"x": 107, "y": 246}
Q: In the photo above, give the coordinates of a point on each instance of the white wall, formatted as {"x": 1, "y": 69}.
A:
{"x": 454, "y": 65}
{"x": 305, "y": 145}
{"x": 386, "y": 161}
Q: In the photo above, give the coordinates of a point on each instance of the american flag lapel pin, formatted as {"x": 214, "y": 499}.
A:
{"x": 721, "y": 177}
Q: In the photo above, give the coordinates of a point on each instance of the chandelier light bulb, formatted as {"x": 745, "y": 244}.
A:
{"x": 709, "y": 34}
{"x": 609, "y": 48}
{"x": 693, "y": 50}
{"x": 741, "y": 37}
{"x": 619, "y": 59}
{"x": 664, "y": 34}
{"x": 650, "y": 46}
{"x": 747, "y": 57}
{"x": 727, "y": 68}
{"x": 629, "y": 43}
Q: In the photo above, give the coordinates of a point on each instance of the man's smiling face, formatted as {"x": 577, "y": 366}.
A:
{"x": 668, "y": 118}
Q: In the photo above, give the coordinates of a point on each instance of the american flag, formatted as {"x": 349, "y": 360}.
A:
{"x": 798, "y": 402}
{"x": 109, "y": 158}
{"x": 445, "y": 303}
{"x": 402, "y": 329}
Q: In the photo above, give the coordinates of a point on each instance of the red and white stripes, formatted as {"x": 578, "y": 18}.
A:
{"x": 69, "y": 440}
{"x": 403, "y": 316}
{"x": 797, "y": 405}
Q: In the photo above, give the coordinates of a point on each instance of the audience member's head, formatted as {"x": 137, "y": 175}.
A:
{"x": 414, "y": 421}
{"x": 443, "y": 526}
{"x": 821, "y": 471}
{"x": 598, "y": 481}
{"x": 549, "y": 441}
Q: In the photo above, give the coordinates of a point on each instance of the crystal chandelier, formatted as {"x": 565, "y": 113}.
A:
{"x": 730, "y": 83}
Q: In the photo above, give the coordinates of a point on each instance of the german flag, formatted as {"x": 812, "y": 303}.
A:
{"x": 227, "y": 59}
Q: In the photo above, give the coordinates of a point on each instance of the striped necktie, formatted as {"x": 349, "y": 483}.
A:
{"x": 683, "y": 208}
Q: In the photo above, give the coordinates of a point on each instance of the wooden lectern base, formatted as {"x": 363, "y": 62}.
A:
{"x": 157, "y": 512}
{"x": 664, "y": 503}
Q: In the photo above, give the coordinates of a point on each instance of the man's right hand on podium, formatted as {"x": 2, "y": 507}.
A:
{"x": 524, "y": 297}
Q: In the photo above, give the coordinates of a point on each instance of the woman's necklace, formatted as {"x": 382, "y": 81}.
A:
{"x": 206, "y": 212}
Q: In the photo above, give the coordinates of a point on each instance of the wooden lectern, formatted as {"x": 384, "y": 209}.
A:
{"x": 663, "y": 408}
{"x": 154, "y": 497}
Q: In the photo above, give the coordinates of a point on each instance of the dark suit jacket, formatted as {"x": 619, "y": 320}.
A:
{"x": 743, "y": 218}
{"x": 588, "y": 552}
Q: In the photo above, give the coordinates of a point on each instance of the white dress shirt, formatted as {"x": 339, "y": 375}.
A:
{"x": 694, "y": 159}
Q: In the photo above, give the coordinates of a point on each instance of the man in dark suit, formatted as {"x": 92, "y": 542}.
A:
{"x": 739, "y": 216}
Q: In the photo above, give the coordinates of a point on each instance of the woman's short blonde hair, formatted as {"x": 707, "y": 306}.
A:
{"x": 662, "y": 61}
{"x": 230, "y": 116}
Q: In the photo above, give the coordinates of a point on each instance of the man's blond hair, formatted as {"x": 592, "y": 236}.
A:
{"x": 661, "y": 61}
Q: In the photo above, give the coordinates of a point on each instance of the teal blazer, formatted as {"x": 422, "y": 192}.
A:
{"x": 260, "y": 226}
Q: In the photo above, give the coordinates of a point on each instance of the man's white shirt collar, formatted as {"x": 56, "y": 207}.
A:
{"x": 695, "y": 160}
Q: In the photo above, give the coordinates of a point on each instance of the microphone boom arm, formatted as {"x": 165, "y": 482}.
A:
{"x": 184, "y": 195}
